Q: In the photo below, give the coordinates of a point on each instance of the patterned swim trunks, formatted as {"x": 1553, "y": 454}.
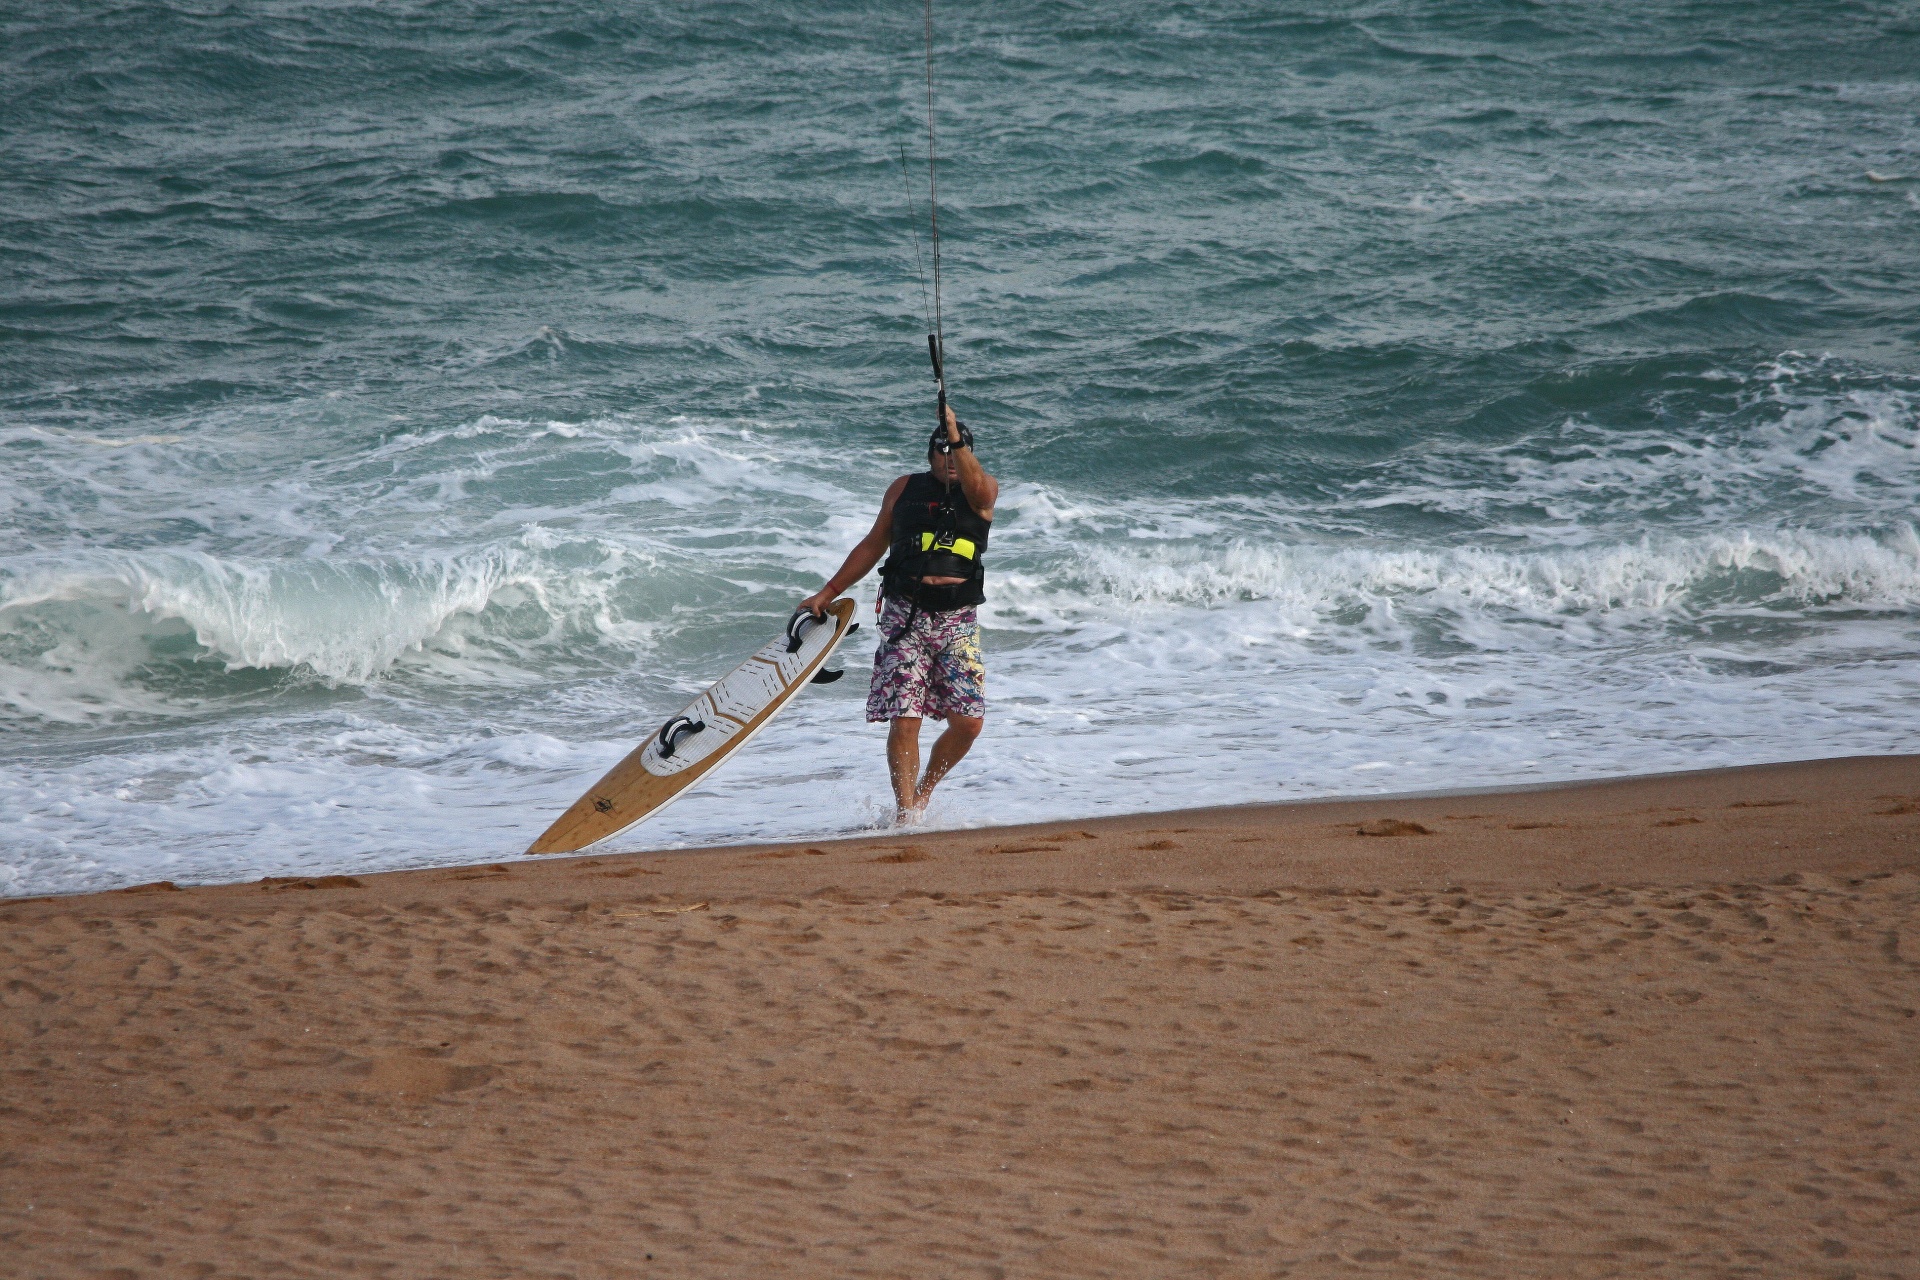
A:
{"x": 933, "y": 671}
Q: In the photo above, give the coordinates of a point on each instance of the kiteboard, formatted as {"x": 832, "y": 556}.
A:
{"x": 705, "y": 733}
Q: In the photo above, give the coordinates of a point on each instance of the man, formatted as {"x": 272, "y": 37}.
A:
{"x": 933, "y": 530}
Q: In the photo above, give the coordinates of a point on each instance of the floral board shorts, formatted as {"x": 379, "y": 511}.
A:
{"x": 933, "y": 671}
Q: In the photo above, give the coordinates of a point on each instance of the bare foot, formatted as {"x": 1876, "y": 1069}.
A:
{"x": 910, "y": 817}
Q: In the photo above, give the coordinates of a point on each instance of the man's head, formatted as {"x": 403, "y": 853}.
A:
{"x": 940, "y": 453}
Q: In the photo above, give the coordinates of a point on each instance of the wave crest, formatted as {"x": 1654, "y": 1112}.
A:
{"x": 114, "y": 632}
{"x": 1657, "y": 580}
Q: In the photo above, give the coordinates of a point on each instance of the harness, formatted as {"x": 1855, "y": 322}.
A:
{"x": 935, "y": 534}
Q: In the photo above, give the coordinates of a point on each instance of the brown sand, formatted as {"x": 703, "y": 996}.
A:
{"x": 1660, "y": 1026}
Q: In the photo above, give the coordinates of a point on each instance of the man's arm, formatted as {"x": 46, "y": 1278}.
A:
{"x": 865, "y": 554}
{"x": 982, "y": 490}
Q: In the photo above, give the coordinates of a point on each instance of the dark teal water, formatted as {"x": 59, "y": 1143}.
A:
{"x": 402, "y": 408}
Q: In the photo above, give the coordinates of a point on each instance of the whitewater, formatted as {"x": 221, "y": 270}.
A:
{"x": 403, "y": 411}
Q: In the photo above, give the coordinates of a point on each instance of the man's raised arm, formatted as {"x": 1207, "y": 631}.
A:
{"x": 982, "y": 490}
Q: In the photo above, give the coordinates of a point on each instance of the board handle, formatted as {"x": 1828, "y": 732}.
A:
{"x": 674, "y": 730}
{"x": 795, "y": 637}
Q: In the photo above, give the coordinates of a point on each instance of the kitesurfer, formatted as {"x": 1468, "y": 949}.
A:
{"x": 933, "y": 529}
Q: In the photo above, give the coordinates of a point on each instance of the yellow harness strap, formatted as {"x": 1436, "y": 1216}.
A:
{"x": 962, "y": 547}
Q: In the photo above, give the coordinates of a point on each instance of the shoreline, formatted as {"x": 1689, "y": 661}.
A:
{"x": 1582, "y": 1030}
{"x": 1845, "y": 788}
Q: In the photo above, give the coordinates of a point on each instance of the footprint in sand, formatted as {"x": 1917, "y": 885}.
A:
{"x": 495, "y": 871}
{"x": 1391, "y": 827}
{"x": 422, "y": 1076}
{"x": 281, "y": 884}
{"x": 912, "y": 853}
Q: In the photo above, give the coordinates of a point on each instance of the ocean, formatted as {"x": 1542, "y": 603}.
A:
{"x": 404, "y": 408}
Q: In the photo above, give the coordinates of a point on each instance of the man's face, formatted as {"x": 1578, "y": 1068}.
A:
{"x": 945, "y": 469}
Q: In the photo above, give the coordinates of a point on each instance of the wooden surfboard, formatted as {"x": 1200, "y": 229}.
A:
{"x": 707, "y": 731}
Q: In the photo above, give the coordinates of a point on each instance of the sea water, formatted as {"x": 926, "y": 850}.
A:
{"x": 405, "y": 408}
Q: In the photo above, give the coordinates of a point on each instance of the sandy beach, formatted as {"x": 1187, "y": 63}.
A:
{"x": 1654, "y": 1026}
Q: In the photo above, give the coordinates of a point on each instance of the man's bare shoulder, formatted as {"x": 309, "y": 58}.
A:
{"x": 893, "y": 493}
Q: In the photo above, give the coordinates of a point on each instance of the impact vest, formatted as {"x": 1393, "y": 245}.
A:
{"x": 936, "y": 534}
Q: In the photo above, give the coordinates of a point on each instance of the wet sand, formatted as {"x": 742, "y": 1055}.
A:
{"x": 1656, "y": 1026}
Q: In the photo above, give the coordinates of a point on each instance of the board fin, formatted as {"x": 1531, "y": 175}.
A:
{"x": 828, "y": 677}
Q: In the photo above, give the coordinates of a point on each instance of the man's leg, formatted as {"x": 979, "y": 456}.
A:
{"x": 948, "y": 750}
{"x": 903, "y": 761}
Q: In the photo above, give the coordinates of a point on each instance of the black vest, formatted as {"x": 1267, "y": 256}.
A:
{"x": 936, "y": 534}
